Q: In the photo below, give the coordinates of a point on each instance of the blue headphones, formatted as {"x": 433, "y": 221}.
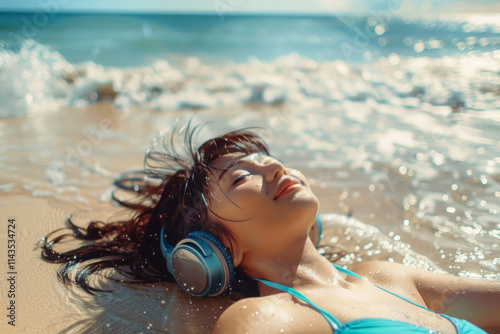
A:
{"x": 200, "y": 263}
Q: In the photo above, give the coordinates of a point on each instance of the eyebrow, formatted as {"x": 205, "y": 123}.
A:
{"x": 236, "y": 162}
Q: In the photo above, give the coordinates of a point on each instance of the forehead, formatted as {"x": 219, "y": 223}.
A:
{"x": 227, "y": 160}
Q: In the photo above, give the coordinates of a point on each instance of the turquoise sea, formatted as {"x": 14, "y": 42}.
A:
{"x": 73, "y": 59}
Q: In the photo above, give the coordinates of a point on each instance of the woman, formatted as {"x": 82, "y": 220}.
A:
{"x": 222, "y": 217}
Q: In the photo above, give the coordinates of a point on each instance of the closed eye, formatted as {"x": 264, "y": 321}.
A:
{"x": 239, "y": 178}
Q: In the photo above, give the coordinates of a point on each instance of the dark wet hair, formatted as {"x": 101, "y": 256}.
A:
{"x": 170, "y": 192}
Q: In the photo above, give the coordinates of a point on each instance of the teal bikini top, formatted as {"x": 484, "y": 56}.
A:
{"x": 374, "y": 325}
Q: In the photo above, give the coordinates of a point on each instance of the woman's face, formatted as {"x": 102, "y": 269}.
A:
{"x": 261, "y": 202}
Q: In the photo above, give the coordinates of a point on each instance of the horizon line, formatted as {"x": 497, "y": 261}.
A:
{"x": 228, "y": 13}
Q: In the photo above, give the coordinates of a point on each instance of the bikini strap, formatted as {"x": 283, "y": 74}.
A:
{"x": 334, "y": 322}
{"x": 346, "y": 271}
{"x": 350, "y": 273}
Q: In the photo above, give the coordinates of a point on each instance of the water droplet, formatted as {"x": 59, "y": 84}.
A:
{"x": 419, "y": 46}
{"x": 39, "y": 243}
{"x": 379, "y": 29}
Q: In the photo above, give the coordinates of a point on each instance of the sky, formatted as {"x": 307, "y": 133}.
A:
{"x": 254, "y": 6}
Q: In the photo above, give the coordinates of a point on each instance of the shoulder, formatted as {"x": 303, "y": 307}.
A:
{"x": 269, "y": 314}
{"x": 370, "y": 267}
{"x": 382, "y": 271}
{"x": 235, "y": 318}
{"x": 248, "y": 315}
{"x": 385, "y": 273}
{"x": 409, "y": 281}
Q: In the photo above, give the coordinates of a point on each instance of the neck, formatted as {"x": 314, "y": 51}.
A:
{"x": 298, "y": 266}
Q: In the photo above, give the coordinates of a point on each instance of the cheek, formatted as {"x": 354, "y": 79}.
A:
{"x": 250, "y": 190}
{"x": 218, "y": 202}
{"x": 249, "y": 197}
{"x": 240, "y": 204}
{"x": 222, "y": 207}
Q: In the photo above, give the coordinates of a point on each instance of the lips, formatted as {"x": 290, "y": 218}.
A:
{"x": 286, "y": 185}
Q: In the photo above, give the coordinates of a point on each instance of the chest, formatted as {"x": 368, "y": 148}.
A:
{"x": 359, "y": 302}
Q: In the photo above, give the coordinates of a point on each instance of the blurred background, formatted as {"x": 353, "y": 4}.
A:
{"x": 86, "y": 49}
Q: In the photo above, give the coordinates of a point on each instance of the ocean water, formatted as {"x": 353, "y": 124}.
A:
{"x": 186, "y": 62}
{"x": 395, "y": 121}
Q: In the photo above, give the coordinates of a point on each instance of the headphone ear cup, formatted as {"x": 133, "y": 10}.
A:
{"x": 224, "y": 267}
{"x": 201, "y": 265}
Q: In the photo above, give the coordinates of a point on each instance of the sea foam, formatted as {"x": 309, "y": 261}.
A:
{"x": 37, "y": 79}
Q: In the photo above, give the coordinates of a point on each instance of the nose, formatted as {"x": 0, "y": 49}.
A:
{"x": 274, "y": 170}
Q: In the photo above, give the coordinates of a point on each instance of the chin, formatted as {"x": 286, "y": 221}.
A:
{"x": 305, "y": 198}
{"x": 304, "y": 204}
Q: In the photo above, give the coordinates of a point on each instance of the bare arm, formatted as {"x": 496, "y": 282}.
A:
{"x": 270, "y": 314}
{"x": 241, "y": 317}
{"x": 475, "y": 300}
